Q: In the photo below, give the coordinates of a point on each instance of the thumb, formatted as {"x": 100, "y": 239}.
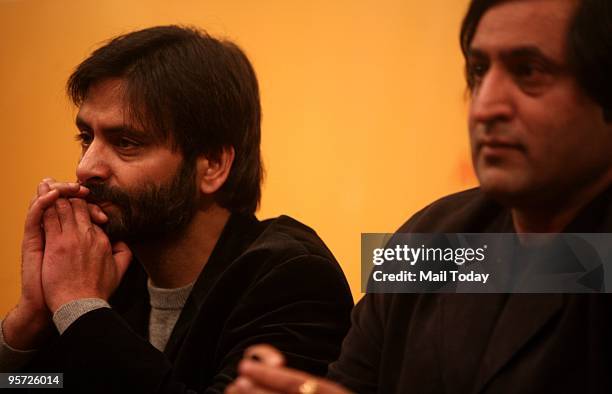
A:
{"x": 123, "y": 256}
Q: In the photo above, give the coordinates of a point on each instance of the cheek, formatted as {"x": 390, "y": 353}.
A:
{"x": 471, "y": 135}
{"x": 156, "y": 168}
{"x": 570, "y": 144}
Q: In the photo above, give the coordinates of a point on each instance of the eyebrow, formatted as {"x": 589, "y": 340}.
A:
{"x": 119, "y": 129}
{"x": 524, "y": 52}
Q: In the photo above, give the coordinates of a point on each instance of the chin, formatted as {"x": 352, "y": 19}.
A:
{"x": 503, "y": 186}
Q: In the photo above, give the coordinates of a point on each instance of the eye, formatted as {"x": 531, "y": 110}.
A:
{"x": 84, "y": 138}
{"x": 531, "y": 75}
{"x": 126, "y": 143}
{"x": 526, "y": 71}
{"x": 476, "y": 70}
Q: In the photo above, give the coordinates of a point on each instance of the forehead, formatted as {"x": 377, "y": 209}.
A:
{"x": 104, "y": 102}
{"x": 512, "y": 24}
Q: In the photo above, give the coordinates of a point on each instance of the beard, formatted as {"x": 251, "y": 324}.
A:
{"x": 151, "y": 212}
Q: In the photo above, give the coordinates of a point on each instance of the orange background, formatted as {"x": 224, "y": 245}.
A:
{"x": 363, "y": 100}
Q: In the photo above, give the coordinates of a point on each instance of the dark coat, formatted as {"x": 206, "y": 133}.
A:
{"x": 265, "y": 282}
{"x": 481, "y": 343}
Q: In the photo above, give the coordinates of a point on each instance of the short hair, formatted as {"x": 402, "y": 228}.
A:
{"x": 589, "y": 46}
{"x": 193, "y": 90}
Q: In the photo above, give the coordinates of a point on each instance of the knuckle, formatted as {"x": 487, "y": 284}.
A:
{"x": 102, "y": 240}
{"x": 48, "y": 213}
{"x": 91, "y": 235}
{"x": 62, "y": 204}
{"x": 93, "y": 209}
{"x": 76, "y": 202}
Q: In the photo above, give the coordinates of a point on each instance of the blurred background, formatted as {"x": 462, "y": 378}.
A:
{"x": 363, "y": 101}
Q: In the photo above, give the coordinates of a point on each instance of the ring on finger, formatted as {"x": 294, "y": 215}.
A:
{"x": 308, "y": 387}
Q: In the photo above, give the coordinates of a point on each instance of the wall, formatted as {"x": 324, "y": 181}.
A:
{"x": 364, "y": 105}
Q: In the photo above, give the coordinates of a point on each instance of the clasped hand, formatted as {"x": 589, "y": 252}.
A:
{"x": 65, "y": 256}
{"x": 79, "y": 260}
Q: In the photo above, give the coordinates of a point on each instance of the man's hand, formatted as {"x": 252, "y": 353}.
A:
{"x": 79, "y": 260}
{"x": 29, "y": 323}
{"x": 27, "y": 326}
{"x": 75, "y": 190}
{"x": 262, "y": 372}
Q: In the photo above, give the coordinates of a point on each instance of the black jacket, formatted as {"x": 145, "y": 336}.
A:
{"x": 481, "y": 343}
{"x": 265, "y": 282}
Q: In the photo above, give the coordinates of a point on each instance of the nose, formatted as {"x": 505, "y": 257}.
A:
{"x": 93, "y": 166}
{"x": 493, "y": 98}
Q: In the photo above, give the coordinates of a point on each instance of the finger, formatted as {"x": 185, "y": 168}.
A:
{"x": 266, "y": 354}
{"x": 122, "y": 255}
{"x": 97, "y": 214}
{"x": 231, "y": 389}
{"x": 51, "y": 223}
{"x": 244, "y": 385}
{"x": 35, "y": 213}
{"x": 281, "y": 379}
{"x": 69, "y": 189}
{"x": 285, "y": 380}
{"x": 41, "y": 189}
{"x": 81, "y": 213}
{"x": 65, "y": 213}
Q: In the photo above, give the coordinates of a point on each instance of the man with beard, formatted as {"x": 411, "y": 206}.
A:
{"x": 540, "y": 124}
{"x": 169, "y": 125}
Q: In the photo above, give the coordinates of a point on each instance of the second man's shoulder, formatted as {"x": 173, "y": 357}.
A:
{"x": 467, "y": 211}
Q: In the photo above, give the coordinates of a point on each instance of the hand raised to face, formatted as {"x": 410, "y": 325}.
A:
{"x": 79, "y": 260}
{"x": 76, "y": 190}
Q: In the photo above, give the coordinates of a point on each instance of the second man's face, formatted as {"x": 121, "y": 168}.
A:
{"x": 534, "y": 133}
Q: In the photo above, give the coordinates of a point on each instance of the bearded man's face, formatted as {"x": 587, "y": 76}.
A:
{"x": 150, "y": 211}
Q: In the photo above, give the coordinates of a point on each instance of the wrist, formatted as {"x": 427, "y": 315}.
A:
{"x": 25, "y": 328}
{"x": 57, "y": 302}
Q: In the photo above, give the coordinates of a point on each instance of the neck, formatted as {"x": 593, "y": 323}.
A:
{"x": 555, "y": 217}
{"x": 178, "y": 262}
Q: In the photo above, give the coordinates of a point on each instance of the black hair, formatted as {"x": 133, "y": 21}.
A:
{"x": 589, "y": 46}
{"x": 193, "y": 90}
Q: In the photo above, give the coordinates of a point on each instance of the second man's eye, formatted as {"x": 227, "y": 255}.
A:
{"x": 532, "y": 77}
{"x": 84, "y": 138}
{"x": 126, "y": 143}
{"x": 525, "y": 70}
{"x": 476, "y": 70}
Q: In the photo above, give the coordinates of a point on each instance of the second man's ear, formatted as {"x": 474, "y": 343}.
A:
{"x": 212, "y": 173}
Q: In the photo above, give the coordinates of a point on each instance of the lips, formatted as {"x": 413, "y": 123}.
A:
{"x": 498, "y": 144}
{"x": 495, "y": 137}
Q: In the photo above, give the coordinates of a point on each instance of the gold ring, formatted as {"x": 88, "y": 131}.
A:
{"x": 308, "y": 387}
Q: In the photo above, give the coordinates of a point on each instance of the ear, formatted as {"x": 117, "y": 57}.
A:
{"x": 212, "y": 174}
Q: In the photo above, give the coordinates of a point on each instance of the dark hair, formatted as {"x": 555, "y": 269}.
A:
{"x": 191, "y": 89}
{"x": 589, "y": 46}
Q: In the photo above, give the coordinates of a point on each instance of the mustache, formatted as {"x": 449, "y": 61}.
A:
{"x": 493, "y": 128}
{"x": 99, "y": 193}
{"x": 495, "y": 135}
